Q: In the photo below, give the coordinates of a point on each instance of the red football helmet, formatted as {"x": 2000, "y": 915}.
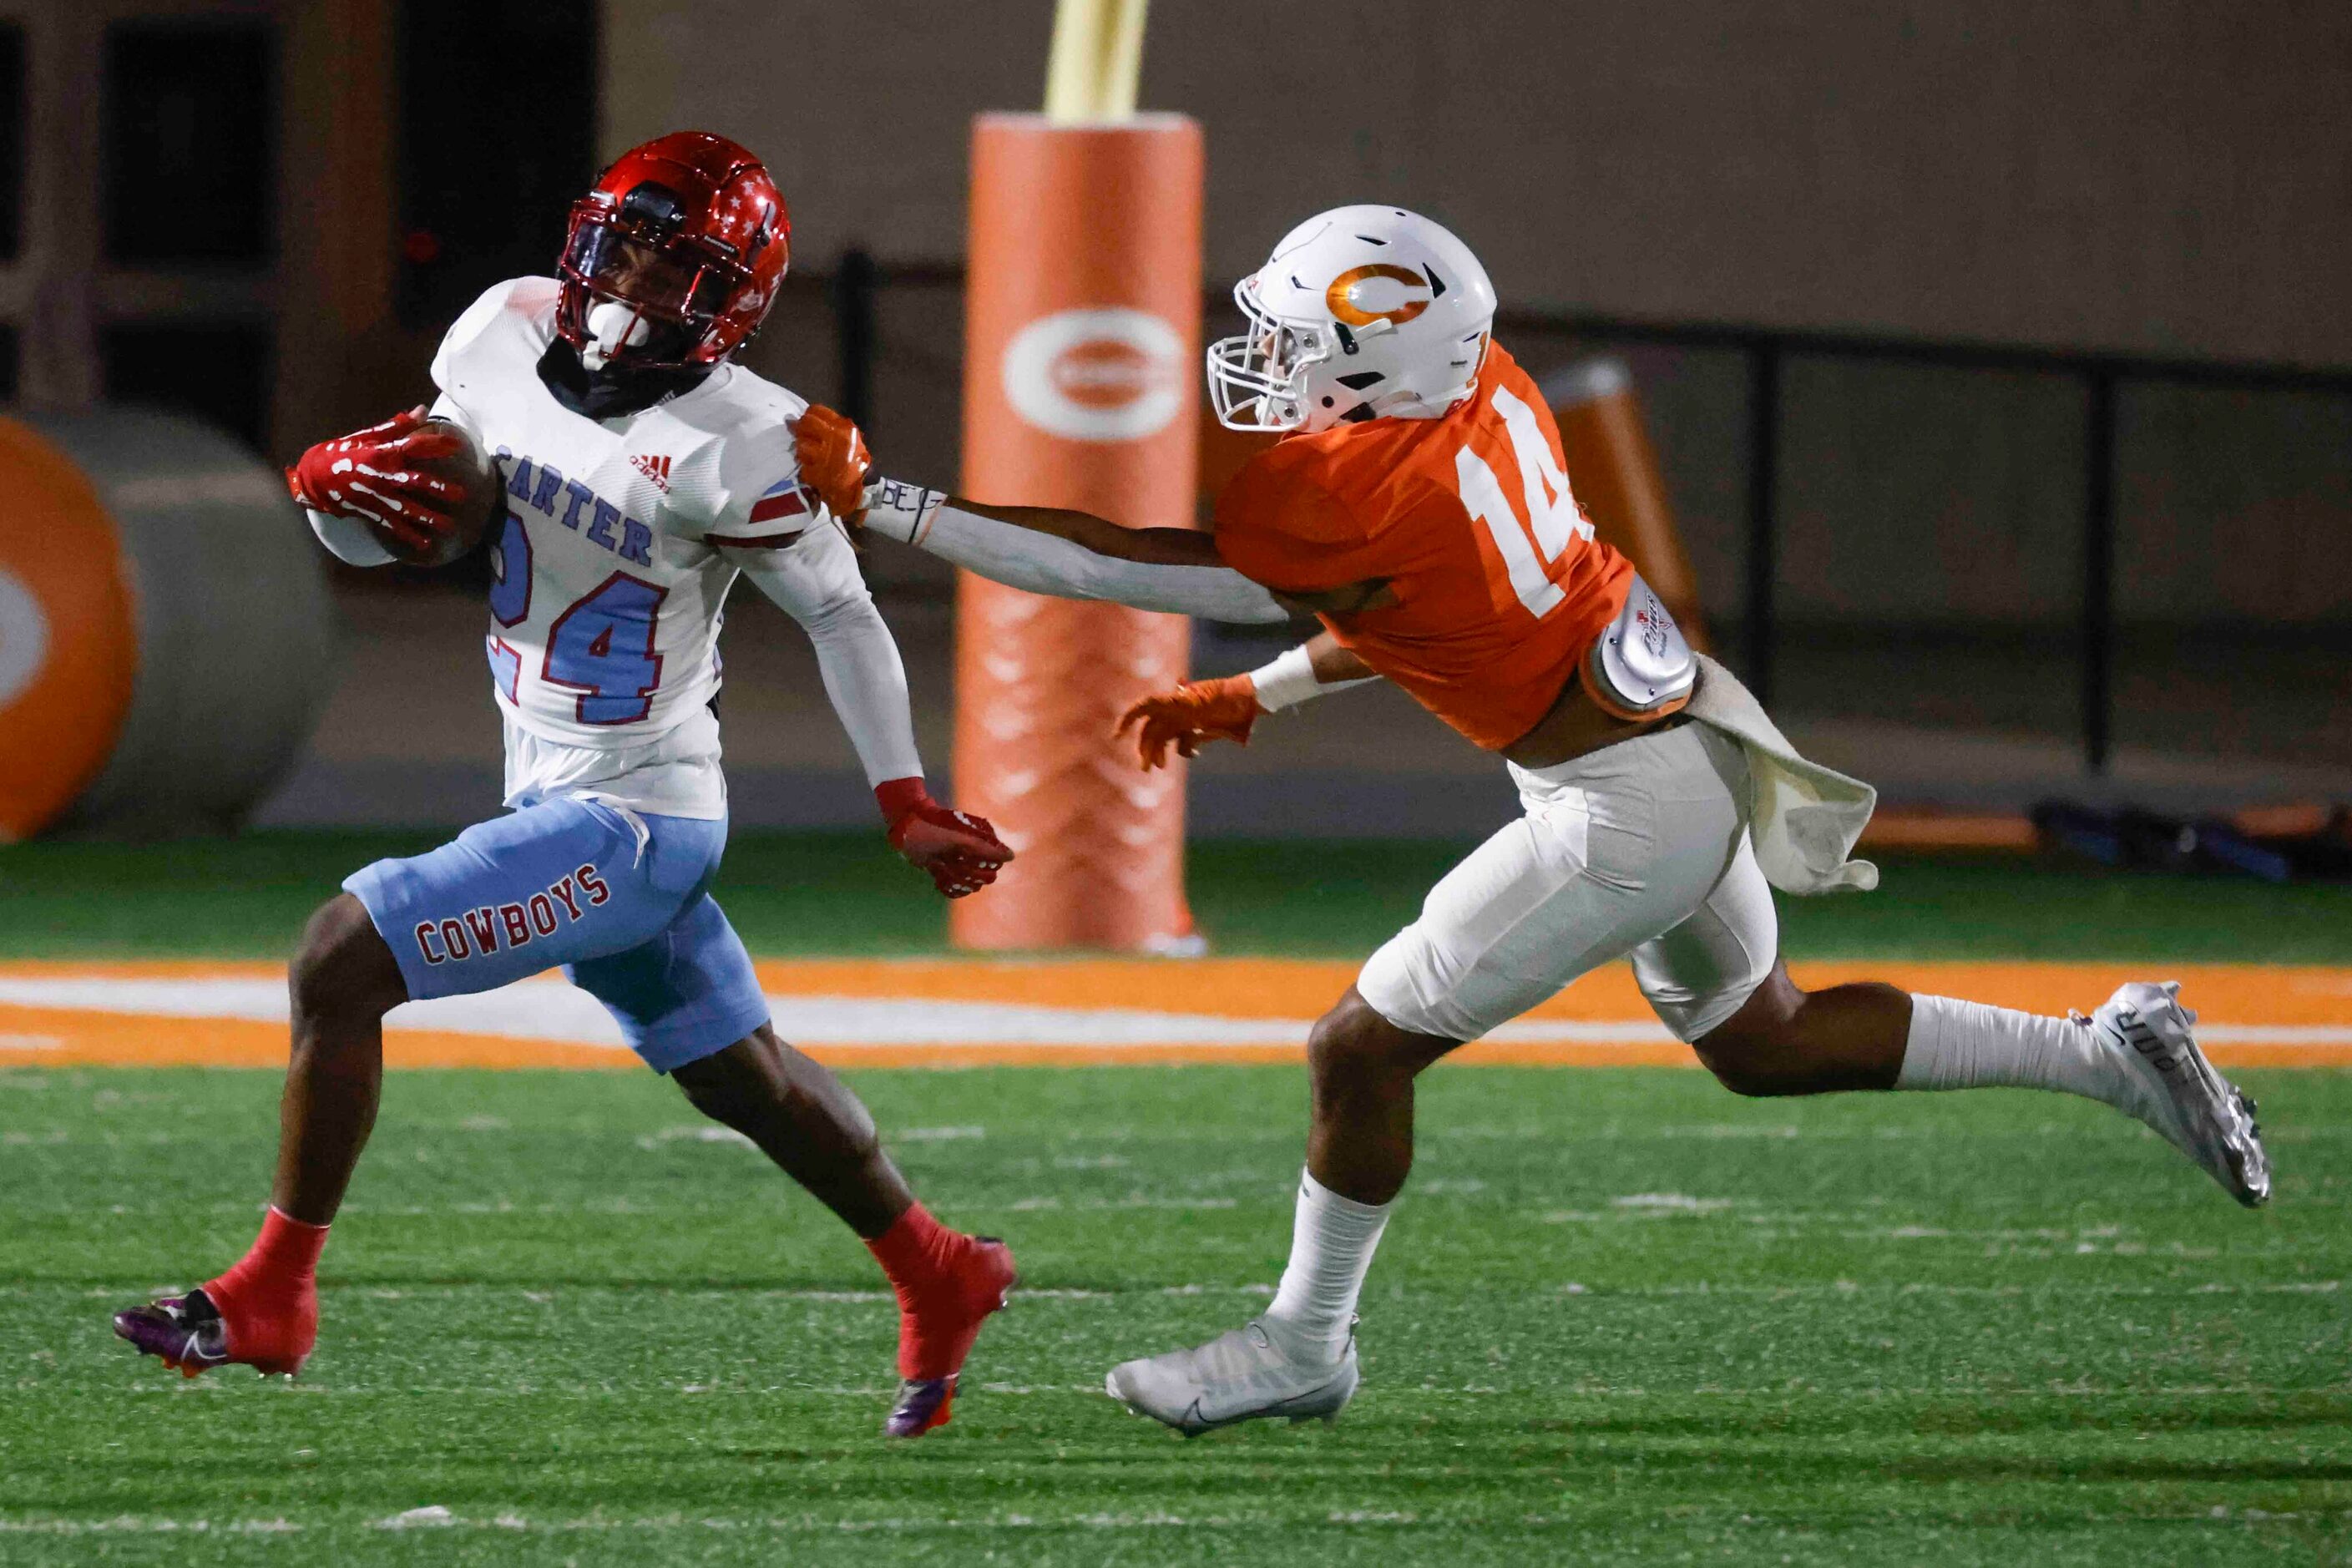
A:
{"x": 673, "y": 259}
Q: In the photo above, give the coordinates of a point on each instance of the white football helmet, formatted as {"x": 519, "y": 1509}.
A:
{"x": 1360, "y": 312}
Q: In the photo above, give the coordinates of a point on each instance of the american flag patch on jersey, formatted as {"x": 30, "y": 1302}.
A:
{"x": 782, "y": 499}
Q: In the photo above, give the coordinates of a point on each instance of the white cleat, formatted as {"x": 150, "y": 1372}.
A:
{"x": 2200, "y": 1113}
{"x": 1245, "y": 1375}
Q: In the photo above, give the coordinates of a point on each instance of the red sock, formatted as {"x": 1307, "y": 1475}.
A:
{"x": 943, "y": 1295}
{"x": 270, "y": 1299}
{"x": 915, "y": 1252}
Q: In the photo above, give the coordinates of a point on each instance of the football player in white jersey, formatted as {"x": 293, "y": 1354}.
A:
{"x": 643, "y": 471}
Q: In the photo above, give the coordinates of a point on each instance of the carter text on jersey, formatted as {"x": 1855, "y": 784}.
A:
{"x": 543, "y": 488}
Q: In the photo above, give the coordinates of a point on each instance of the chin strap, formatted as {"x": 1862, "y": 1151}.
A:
{"x": 1413, "y": 406}
{"x": 615, "y": 391}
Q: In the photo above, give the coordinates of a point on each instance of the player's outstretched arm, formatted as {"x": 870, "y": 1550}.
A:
{"x": 1227, "y": 708}
{"x": 1044, "y": 549}
{"x": 816, "y": 581}
{"x": 1072, "y": 555}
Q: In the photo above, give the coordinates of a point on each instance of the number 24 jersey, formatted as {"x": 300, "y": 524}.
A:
{"x": 608, "y": 580}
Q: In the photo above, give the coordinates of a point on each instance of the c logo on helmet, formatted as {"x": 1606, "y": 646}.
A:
{"x": 1358, "y": 296}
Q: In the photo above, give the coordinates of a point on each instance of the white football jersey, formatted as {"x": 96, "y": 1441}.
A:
{"x": 607, "y": 589}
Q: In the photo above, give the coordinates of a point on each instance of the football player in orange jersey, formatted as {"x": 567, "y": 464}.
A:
{"x": 1418, "y": 505}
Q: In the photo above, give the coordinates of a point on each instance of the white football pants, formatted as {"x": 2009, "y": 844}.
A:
{"x": 1639, "y": 849}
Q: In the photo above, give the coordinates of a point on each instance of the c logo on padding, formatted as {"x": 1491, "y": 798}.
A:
{"x": 24, "y": 637}
{"x": 1106, "y": 374}
{"x": 69, "y": 633}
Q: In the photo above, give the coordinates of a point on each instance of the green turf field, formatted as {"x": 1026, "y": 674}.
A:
{"x": 1621, "y": 1317}
{"x": 842, "y": 893}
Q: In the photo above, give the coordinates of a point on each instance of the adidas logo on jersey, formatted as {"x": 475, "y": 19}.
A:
{"x": 654, "y": 468}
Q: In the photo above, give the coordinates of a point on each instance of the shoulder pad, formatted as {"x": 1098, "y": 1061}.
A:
{"x": 746, "y": 453}
{"x": 518, "y": 314}
{"x": 739, "y": 454}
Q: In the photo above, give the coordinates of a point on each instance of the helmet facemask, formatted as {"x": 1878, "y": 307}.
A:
{"x": 1257, "y": 379}
{"x": 1361, "y": 314}
{"x": 638, "y": 295}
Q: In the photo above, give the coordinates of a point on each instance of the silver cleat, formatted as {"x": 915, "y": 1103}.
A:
{"x": 2200, "y": 1113}
{"x": 1245, "y": 1375}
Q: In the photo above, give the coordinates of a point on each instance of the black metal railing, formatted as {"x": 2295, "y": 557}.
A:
{"x": 2102, "y": 376}
{"x": 858, "y": 280}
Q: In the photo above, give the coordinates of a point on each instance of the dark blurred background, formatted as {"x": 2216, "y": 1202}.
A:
{"x": 1998, "y": 355}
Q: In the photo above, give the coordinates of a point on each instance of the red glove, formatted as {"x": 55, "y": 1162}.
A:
{"x": 833, "y": 459}
{"x": 371, "y": 476}
{"x": 961, "y": 851}
{"x": 1195, "y": 711}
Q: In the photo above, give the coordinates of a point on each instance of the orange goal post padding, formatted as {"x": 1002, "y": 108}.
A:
{"x": 69, "y": 633}
{"x": 1613, "y": 470}
{"x": 1081, "y": 382}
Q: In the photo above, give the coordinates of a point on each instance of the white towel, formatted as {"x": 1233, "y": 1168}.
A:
{"x": 1803, "y": 818}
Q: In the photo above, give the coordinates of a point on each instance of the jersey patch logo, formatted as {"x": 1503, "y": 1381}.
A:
{"x": 781, "y": 499}
{"x": 655, "y": 468}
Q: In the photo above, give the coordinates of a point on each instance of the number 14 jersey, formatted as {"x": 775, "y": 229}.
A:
{"x": 608, "y": 580}
{"x": 1500, "y": 586}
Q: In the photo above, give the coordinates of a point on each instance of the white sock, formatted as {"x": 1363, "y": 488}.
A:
{"x": 1331, "y": 1246}
{"x": 1968, "y": 1045}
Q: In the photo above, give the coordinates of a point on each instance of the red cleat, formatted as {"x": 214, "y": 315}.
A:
{"x": 191, "y": 1334}
{"x": 938, "y": 1321}
{"x": 263, "y": 1312}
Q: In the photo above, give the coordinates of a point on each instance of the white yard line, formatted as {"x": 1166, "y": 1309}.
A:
{"x": 548, "y": 1009}
{"x": 551, "y": 1010}
{"x": 433, "y": 1516}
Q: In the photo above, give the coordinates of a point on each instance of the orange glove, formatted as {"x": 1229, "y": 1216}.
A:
{"x": 1195, "y": 711}
{"x": 833, "y": 459}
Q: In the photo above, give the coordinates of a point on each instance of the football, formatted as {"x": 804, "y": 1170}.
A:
{"x": 482, "y": 487}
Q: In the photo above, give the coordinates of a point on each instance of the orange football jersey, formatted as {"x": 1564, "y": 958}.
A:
{"x": 1501, "y": 586}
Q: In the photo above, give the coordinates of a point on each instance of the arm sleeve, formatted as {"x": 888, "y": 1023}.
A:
{"x": 1047, "y": 564}
{"x": 348, "y": 539}
{"x": 817, "y": 583}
